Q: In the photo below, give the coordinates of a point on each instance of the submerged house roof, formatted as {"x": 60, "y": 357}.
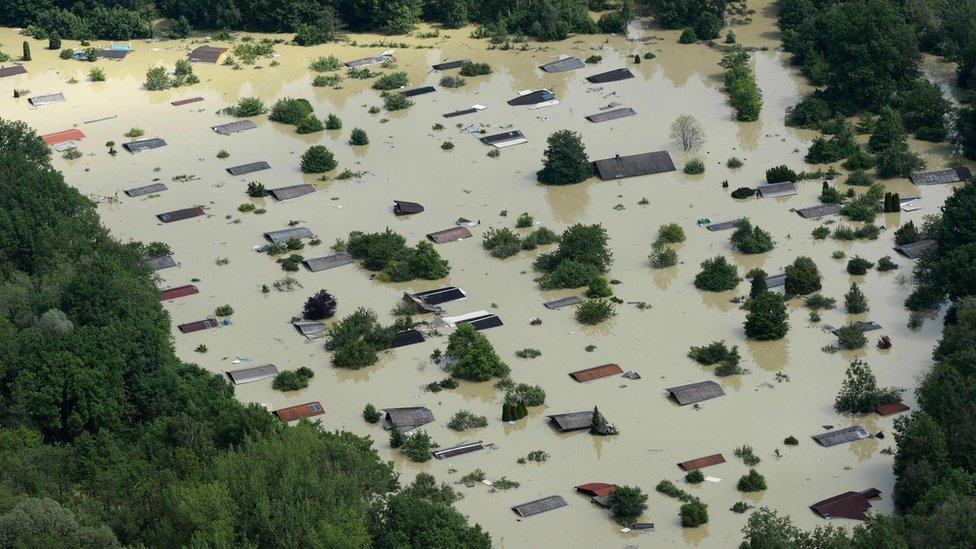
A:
{"x": 207, "y": 54}
{"x": 245, "y": 169}
{"x": 850, "y": 505}
{"x": 460, "y": 449}
{"x": 291, "y": 191}
{"x": 702, "y": 462}
{"x": 563, "y": 65}
{"x": 366, "y": 61}
{"x": 12, "y": 70}
{"x": 937, "y": 177}
{"x": 447, "y": 65}
{"x": 774, "y": 190}
{"x": 815, "y": 212}
{"x": 597, "y": 372}
{"x": 406, "y": 418}
{"x": 407, "y": 337}
{"x": 291, "y": 413}
{"x": 181, "y": 102}
{"x": 864, "y": 326}
{"x": 419, "y": 91}
{"x": 41, "y": 100}
{"x": 115, "y": 54}
{"x": 479, "y": 320}
{"x": 160, "y": 262}
{"x": 199, "y": 325}
{"x": 634, "y": 165}
{"x": 610, "y": 76}
{"x": 891, "y": 409}
{"x": 431, "y": 300}
{"x": 575, "y": 421}
{"x": 234, "y": 127}
{"x": 563, "y": 302}
{"x": 696, "y": 392}
{"x": 178, "y": 291}
{"x": 532, "y": 97}
{"x": 284, "y": 235}
{"x": 914, "y": 250}
{"x": 63, "y": 136}
{"x": 724, "y": 225}
{"x": 596, "y": 489}
{"x": 402, "y": 207}
{"x": 247, "y": 375}
{"x": 449, "y": 235}
{"x": 147, "y": 189}
{"x": 180, "y": 215}
{"x": 841, "y": 436}
{"x": 317, "y": 264}
{"x": 143, "y": 145}
{"x": 611, "y": 115}
{"x": 776, "y": 280}
{"x": 311, "y": 329}
{"x": 505, "y": 139}
{"x": 539, "y": 506}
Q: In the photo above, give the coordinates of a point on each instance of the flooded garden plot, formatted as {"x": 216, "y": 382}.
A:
{"x": 790, "y": 386}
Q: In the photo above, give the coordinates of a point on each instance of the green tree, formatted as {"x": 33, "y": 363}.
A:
{"x": 693, "y": 513}
{"x": 565, "y": 161}
{"x": 472, "y": 356}
{"x": 767, "y": 318}
{"x": 54, "y": 41}
{"x": 860, "y": 394}
{"x": 717, "y": 275}
{"x": 751, "y": 240}
{"x": 855, "y": 301}
{"x": 318, "y": 159}
{"x": 802, "y": 277}
{"x": 627, "y": 503}
{"x": 26, "y": 55}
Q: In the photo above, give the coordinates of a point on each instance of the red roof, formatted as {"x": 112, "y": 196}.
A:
{"x": 850, "y": 505}
{"x": 186, "y": 101}
{"x": 179, "y": 291}
{"x": 893, "y": 408}
{"x": 701, "y": 462}
{"x": 63, "y": 136}
{"x": 292, "y": 413}
{"x": 596, "y": 488}
{"x": 596, "y": 373}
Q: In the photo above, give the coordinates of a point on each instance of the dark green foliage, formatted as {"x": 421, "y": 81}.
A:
{"x": 855, "y": 301}
{"x": 767, "y": 318}
{"x": 840, "y": 145}
{"x": 907, "y": 233}
{"x": 245, "y": 106}
{"x": 397, "y": 438}
{"x": 811, "y": 112}
{"x": 830, "y": 195}
{"x": 694, "y": 167}
{"x": 472, "y": 355}
{"x": 318, "y": 159}
{"x": 452, "y": 81}
{"x": 743, "y": 192}
{"x": 740, "y": 507}
{"x": 371, "y": 414}
{"x": 333, "y": 122}
{"x": 820, "y": 232}
{"x": 860, "y": 394}
{"x": 740, "y": 82}
{"x": 695, "y": 477}
{"x": 256, "y": 190}
{"x": 464, "y": 420}
{"x": 966, "y": 129}
{"x": 582, "y": 255}
{"x": 594, "y": 311}
{"x": 598, "y": 288}
{"x": 355, "y": 339}
{"x": 26, "y": 56}
{"x": 710, "y": 354}
{"x": 859, "y": 160}
{"x": 321, "y": 29}
{"x": 501, "y": 243}
{"x": 418, "y": 446}
{"x": 320, "y": 305}
{"x": 859, "y": 178}
{"x": 475, "y": 69}
{"x": 751, "y": 240}
{"x": 886, "y": 264}
{"x": 923, "y": 110}
{"x": 290, "y": 111}
{"x": 627, "y": 503}
{"x": 181, "y": 27}
{"x": 717, "y": 275}
{"x": 851, "y": 337}
{"x": 802, "y": 277}
{"x": 358, "y": 137}
{"x": 780, "y": 174}
{"x": 668, "y": 488}
{"x": 751, "y": 482}
{"x": 309, "y": 124}
{"x": 564, "y": 161}
{"x": 54, "y": 41}
{"x": 391, "y": 81}
{"x": 396, "y": 101}
{"x": 757, "y": 284}
{"x": 888, "y": 131}
{"x": 693, "y": 513}
{"x": 292, "y": 380}
{"x": 857, "y": 265}
{"x": 688, "y": 36}
{"x": 708, "y": 26}
{"x": 791, "y": 441}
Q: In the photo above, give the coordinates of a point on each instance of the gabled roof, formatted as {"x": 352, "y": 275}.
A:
{"x": 291, "y": 413}
{"x": 610, "y": 76}
{"x": 449, "y": 235}
{"x": 564, "y": 302}
{"x": 160, "y": 262}
{"x": 914, "y": 250}
{"x": 284, "y": 235}
{"x": 41, "y": 100}
{"x": 850, "y": 505}
{"x": 950, "y": 175}
{"x": 505, "y": 139}
{"x": 539, "y": 506}
{"x": 245, "y": 169}
{"x": 64, "y": 136}
{"x": 479, "y": 320}
{"x": 611, "y": 115}
{"x": 407, "y": 337}
{"x": 234, "y": 127}
{"x": 891, "y": 409}
{"x": 776, "y": 280}
{"x": 563, "y": 65}
{"x": 419, "y": 91}
{"x": 191, "y": 327}
{"x": 597, "y": 372}
{"x": 402, "y": 207}
{"x": 702, "y": 462}
{"x": 317, "y": 264}
{"x": 12, "y": 70}
{"x": 178, "y": 291}
{"x": 774, "y": 190}
{"x": 816, "y": 212}
{"x": 181, "y": 102}
{"x": 696, "y": 392}
{"x": 180, "y": 215}
{"x": 143, "y": 145}
{"x": 147, "y": 189}
{"x": 574, "y": 421}
{"x": 407, "y": 418}
{"x": 724, "y": 225}
{"x": 447, "y": 65}
{"x": 841, "y": 436}
{"x": 460, "y": 449}
{"x": 207, "y": 54}
{"x": 291, "y": 191}
{"x": 247, "y": 375}
{"x": 864, "y": 326}
{"x": 634, "y": 165}
{"x": 431, "y": 300}
{"x": 595, "y": 488}
{"x": 311, "y": 329}
{"x": 532, "y": 97}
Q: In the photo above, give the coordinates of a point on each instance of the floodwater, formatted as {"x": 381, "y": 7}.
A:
{"x": 404, "y": 161}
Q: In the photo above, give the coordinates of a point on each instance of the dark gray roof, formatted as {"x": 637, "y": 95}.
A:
{"x": 402, "y": 207}
{"x": 431, "y": 300}
{"x": 115, "y": 55}
{"x": 633, "y": 165}
{"x": 724, "y": 225}
{"x": 317, "y": 264}
{"x": 915, "y": 250}
{"x": 312, "y": 329}
{"x": 447, "y": 65}
{"x": 247, "y": 375}
{"x": 292, "y": 191}
{"x": 950, "y": 175}
{"x": 206, "y": 54}
{"x": 611, "y": 76}
{"x": 181, "y": 214}
{"x": 144, "y": 145}
{"x": 161, "y": 262}
{"x": 245, "y": 169}
{"x": 406, "y": 337}
{"x": 41, "y": 100}
{"x": 563, "y": 65}
{"x": 814, "y": 212}
{"x": 366, "y": 61}
{"x": 504, "y": 139}
{"x": 234, "y": 127}
{"x": 419, "y": 91}
{"x": 696, "y": 392}
{"x": 407, "y": 418}
{"x": 539, "y": 506}
{"x": 786, "y": 188}
{"x": 13, "y": 70}
{"x": 564, "y": 302}
{"x": 775, "y": 281}
{"x": 611, "y": 115}
{"x": 532, "y": 98}
{"x": 572, "y": 421}
{"x": 284, "y": 235}
{"x": 460, "y": 112}
{"x": 147, "y": 189}
{"x": 841, "y": 436}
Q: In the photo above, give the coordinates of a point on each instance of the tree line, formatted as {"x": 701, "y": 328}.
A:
{"x": 108, "y": 439}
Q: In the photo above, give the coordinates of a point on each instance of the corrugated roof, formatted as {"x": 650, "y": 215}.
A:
{"x": 41, "y": 100}
{"x": 539, "y": 506}
{"x": 611, "y": 115}
{"x": 696, "y": 392}
{"x": 850, "y": 505}
{"x": 610, "y": 76}
{"x": 702, "y": 462}
{"x": 180, "y": 215}
{"x": 206, "y": 54}
{"x": 245, "y": 169}
{"x": 402, "y": 207}
{"x": 64, "y": 136}
{"x": 407, "y": 418}
{"x": 312, "y": 329}
{"x": 143, "y": 145}
{"x": 458, "y": 450}
{"x": 317, "y": 264}
{"x": 563, "y": 65}
{"x": 572, "y": 421}
{"x": 447, "y": 65}
{"x": 291, "y": 413}
{"x": 891, "y": 409}
{"x": 147, "y": 189}
{"x": 247, "y": 375}
{"x": 160, "y": 262}
{"x": 634, "y": 165}
{"x": 234, "y": 127}
{"x": 564, "y": 302}
{"x": 724, "y": 225}
{"x": 532, "y": 97}
{"x": 291, "y": 191}
{"x": 841, "y": 436}
{"x": 178, "y": 291}
{"x": 774, "y": 190}
{"x": 595, "y": 488}
{"x": 449, "y": 235}
{"x": 915, "y": 250}
{"x": 776, "y": 280}
{"x": 950, "y": 175}
{"x": 596, "y": 372}
{"x": 191, "y": 327}
{"x": 816, "y": 212}
{"x": 284, "y": 235}
{"x": 13, "y": 70}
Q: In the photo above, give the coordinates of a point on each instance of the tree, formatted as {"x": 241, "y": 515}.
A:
{"x": 802, "y": 277}
{"x": 417, "y": 446}
{"x": 26, "y": 56}
{"x": 181, "y": 27}
{"x": 358, "y": 137}
{"x": 583, "y": 254}
{"x": 42, "y": 522}
{"x": 453, "y": 14}
{"x": 966, "y": 131}
{"x": 767, "y": 318}
{"x": 421, "y": 515}
{"x": 371, "y": 414}
{"x": 17, "y": 136}
{"x": 780, "y": 174}
{"x": 54, "y": 41}
{"x": 693, "y": 513}
{"x": 751, "y": 240}
{"x": 757, "y": 285}
{"x": 888, "y": 131}
{"x": 751, "y": 482}
{"x": 318, "y": 159}
{"x": 860, "y": 394}
{"x": 323, "y": 29}
{"x": 288, "y": 110}
{"x": 156, "y": 79}
{"x": 855, "y": 301}
{"x": 472, "y": 357}
{"x": 564, "y": 161}
{"x": 320, "y": 305}
{"x": 627, "y": 503}
{"x": 687, "y": 132}
{"x": 717, "y": 275}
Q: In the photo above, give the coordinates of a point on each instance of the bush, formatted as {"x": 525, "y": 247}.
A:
{"x": 582, "y": 254}
{"x": 224, "y": 310}
{"x": 733, "y": 163}
{"x": 860, "y": 394}
{"x": 464, "y": 420}
{"x": 907, "y": 234}
{"x": 453, "y": 82}
{"x": 694, "y": 167}
{"x": 290, "y": 111}
{"x": 309, "y": 124}
{"x": 599, "y": 288}
{"x": 256, "y": 190}
{"x": 358, "y": 137}
{"x": 333, "y": 123}
{"x": 356, "y": 338}
{"x": 708, "y": 26}
{"x": 668, "y": 488}
{"x": 751, "y": 240}
{"x": 688, "y": 36}
{"x": 693, "y": 514}
{"x": 391, "y": 81}
{"x": 886, "y": 264}
{"x": 672, "y": 233}
{"x": 851, "y": 337}
{"x": 475, "y": 69}
{"x": 292, "y": 380}
{"x": 524, "y": 220}
{"x": 662, "y": 257}
{"x": 594, "y": 311}
{"x": 855, "y": 301}
{"x": 318, "y": 159}
{"x": 325, "y": 64}
{"x": 320, "y": 305}
{"x": 717, "y": 275}
{"x": 802, "y": 277}
{"x": 743, "y": 192}
{"x": 767, "y": 318}
{"x": 530, "y": 395}
{"x": 472, "y": 356}
{"x": 247, "y": 106}
{"x": 857, "y": 265}
{"x": 593, "y": 59}
{"x": 156, "y": 79}
{"x": 751, "y": 482}
{"x": 565, "y": 160}
{"x": 695, "y": 477}
{"x": 791, "y": 441}
{"x": 528, "y": 353}
{"x": 817, "y": 302}
{"x": 627, "y": 503}
{"x": 780, "y": 174}
{"x": 396, "y": 101}
{"x": 859, "y": 178}
{"x": 418, "y": 446}
{"x": 503, "y": 242}
{"x": 820, "y": 232}
{"x": 371, "y": 414}
{"x": 96, "y": 74}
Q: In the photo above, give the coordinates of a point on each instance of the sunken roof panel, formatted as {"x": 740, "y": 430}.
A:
{"x": 696, "y": 392}
{"x": 597, "y": 372}
{"x": 634, "y": 165}
{"x": 539, "y": 506}
{"x": 841, "y": 436}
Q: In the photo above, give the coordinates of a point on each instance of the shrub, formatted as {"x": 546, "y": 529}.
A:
{"x": 290, "y": 111}
{"x": 371, "y": 414}
{"x": 333, "y": 122}
{"x": 453, "y": 82}
{"x": 672, "y": 233}
{"x": 751, "y": 240}
{"x": 599, "y": 288}
{"x": 662, "y": 256}
{"x": 859, "y": 178}
{"x": 713, "y": 353}
{"x": 594, "y": 311}
{"x": 791, "y": 441}
{"x": 693, "y": 514}
{"x": 886, "y": 264}
{"x": 820, "y": 232}
{"x": 96, "y": 74}
{"x": 857, "y": 265}
{"x": 855, "y": 301}
{"x": 743, "y": 192}
{"x": 472, "y": 356}
{"x": 224, "y": 310}
{"x": 54, "y": 41}
{"x": 447, "y": 145}
{"x": 391, "y": 81}
{"x": 593, "y": 59}
{"x": 694, "y": 167}
{"x": 851, "y": 337}
{"x": 528, "y": 353}
{"x": 530, "y": 395}
{"x": 156, "y": 79}
{"x": 356, "y": 339}
{"x": 565, "y": 160}
{"x": 247, "y": 106}
{"x": 695, "y": 477}
{"x": 859, "y": 393}
{"x": 475, "y": 69}
{"x": 256, "y": 190}
{"x": 802, "y": 277}
{"x": 464, "y": 420}
{"x": 292, "y": 380}
{"x": 396, "y": 101}
{"x": 582, "y": 254}
{"x": 780, "y": 174}
{"x": 320, "y": 305}
{"x": 717, "y": 275}
{"x": 418, "y": 446}
{"x": 767, "y": 318}
{"x": 733, "y": 163}
{"x": 318, "y": 159}
{"x": 747, "y": 455}
{"x": 907, "y": 234}
{"x": 668, "y": 488}
{"x": 627, "y": 503}
{"x": 524, "y": 220}
{"x": 817, "y": 302}
{"x": 309, "y": 124}
{"x": 751, "y": 482}
{"x": 325, "y": 64}
{"x": 688, "y": 36}
{"x": 740, "y": 507}
{"x": 501, "y": 241}
{"x": 358, "y": 137}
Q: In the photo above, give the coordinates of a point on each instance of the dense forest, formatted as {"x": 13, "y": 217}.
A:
{"x": 107, "y": 439}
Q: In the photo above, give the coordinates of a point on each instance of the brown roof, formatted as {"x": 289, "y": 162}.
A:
{"x": 850, "y": 505}
{"x": 596, "y": 488}
{"x": 449, "y": 235}
{"x": 596, "y": 372}
{"x": 893, "y": 408}
{"x": 191, "y": 327}
{"x": 207, "y": 54}
{"x": 186, "y": 101}
{"x": 292, "y": 413}
{"x": 702, "y": 462}
{"x": 179, "y": 291}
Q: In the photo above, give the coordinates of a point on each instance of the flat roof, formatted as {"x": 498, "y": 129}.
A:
{"x": 610, "y": 76}
{"x": 774, "y": 190}
{"x": 724, "y": 225}
{"x": 63, "y": 136}
{"x": 41, "y": 100}
{"x": 13, "y": 70}
{"x": 419, "y": 91}
{"x": 950, "y": 175}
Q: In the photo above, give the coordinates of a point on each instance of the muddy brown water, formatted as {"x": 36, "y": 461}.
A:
{"x": 404, "y": 161}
